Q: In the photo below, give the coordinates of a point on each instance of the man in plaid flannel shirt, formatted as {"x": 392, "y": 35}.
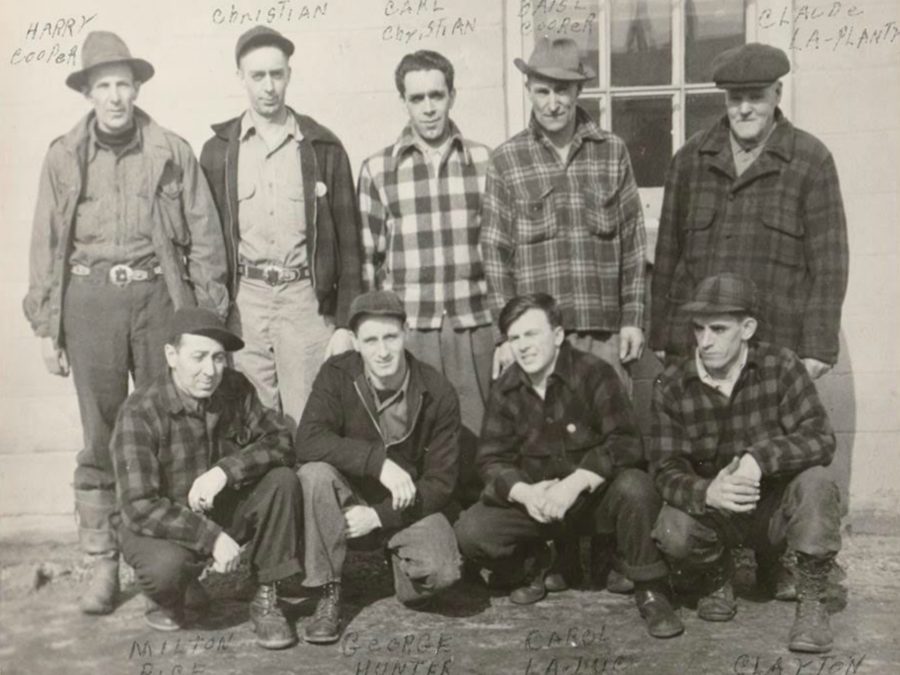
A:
{"x": 202, "y": 467}
{"x": 420, "y": 202}
{"x": 738, "y": 450}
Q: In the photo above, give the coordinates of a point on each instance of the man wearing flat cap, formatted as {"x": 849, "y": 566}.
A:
{"x": 124, "y": 231}
{"x": 202, "y": 467}
{"x": 379, "y": 464}
{"x": 738, "y": 449}
{"x": 284, "y": 191}
{"x": 756, "y": 196}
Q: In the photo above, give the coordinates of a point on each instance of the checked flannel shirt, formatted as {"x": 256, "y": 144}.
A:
{"x": 159, "y": 447}
{"x": 573, "y": 229}
{"x": 585, "y": 420}
{"x": 774, "y": 413}
{"x": 420, "y": 230}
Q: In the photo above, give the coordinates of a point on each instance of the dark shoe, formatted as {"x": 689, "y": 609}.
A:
{"x": 325, "y": 626}
{"x": 159, "y": 618}
{"x": 196, "y": 597}
{"x": 616, "y": 582}
{"x": 655, "y": 608}
{"x": 811, "y": 631}
{"x": 103, "y": 587}
{"x": 543, "y": 559}
{"x": 555, "y": 582}
{"x": 269, "y": 623}
{"x": 603, "y": 574}
{"x": 774, "y": 574}
{"x": 718, "y": 605}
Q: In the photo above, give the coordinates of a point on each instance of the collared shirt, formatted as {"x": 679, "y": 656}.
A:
{"x": 160, "y": 446}
{"x": 774, "y": 414}
{"x": 743, "y": 157}
{"x": 585, "y": 420}
{"x": 271, "y": 206}
{"x": 109, "y": 223}
{"x": 574, "y": 228}
{"x": 420, "y": 230}
{"x": 392, "y": 409}
{"x": 724, "y": 385}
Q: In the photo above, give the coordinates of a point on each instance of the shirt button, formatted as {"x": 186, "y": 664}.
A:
{"x": 570, "y": 428}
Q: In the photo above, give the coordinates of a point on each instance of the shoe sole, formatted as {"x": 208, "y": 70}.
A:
{"x": 284, "y": 644}
{"x": 321, "y": 640}
{"x": 670, "y": 634}
{"x": 717, "y": 618}
{"x": 164, "y": 628}
{"x": 810, "y": 647}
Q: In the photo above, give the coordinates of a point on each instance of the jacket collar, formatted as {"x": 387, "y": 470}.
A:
{"x": 716, "y": 139}
{"x": 689, "y": 365}
{"x": 564, "y": 371}
{"x": 152, "y": 136}
{"x": 353, "y": 367}
{"x": 409, "y": 141}
{"x": 309, "y": 129}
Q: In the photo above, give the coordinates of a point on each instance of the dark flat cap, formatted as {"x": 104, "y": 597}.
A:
{"x": 750, "y": 65}
{"x": 198, "y": 321}
{"x": 381, "y": 303}
{"x": 723, "y": 294}
{"x": 261, "y": 36}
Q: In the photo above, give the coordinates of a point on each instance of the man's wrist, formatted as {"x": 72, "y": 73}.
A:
{"x": 517, "y": 492}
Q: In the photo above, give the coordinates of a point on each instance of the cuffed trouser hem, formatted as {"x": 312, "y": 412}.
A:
{"x": 93, "y": 509}
{"x": 657, "y": 570}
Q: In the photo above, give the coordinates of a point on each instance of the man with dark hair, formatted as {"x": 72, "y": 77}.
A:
{"x": 420, "y": 201}
{"x": 124, "y": 231}
{"x": 738, "y": 449}
{"x": 378, "y": 446}
{"x": 284, "y": 189}
{"x": 559, "y": 454}
{"x": 202, "y": 467}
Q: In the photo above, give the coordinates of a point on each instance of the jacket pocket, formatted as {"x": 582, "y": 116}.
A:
{"x": 603, "y": 216}
{"x": 535, "y": 218}
{"x": 784, "y": 237}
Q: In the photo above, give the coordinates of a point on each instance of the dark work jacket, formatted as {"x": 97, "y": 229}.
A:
{"x": 339, "y": 426}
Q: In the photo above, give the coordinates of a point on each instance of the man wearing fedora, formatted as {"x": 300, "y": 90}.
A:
{"x": 202, "y": 467}
{"x": 755, "y": 196}
{"x": 124, "y": 231}
{"x": 284, "y": 191}
{"x": 738, "y": 449}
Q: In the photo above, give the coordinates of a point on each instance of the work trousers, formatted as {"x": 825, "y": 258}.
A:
{"x": 424, "y": 556}
{"x": 626, "y": 508}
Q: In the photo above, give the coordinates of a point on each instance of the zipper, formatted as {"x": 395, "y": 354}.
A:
{"x": 235, "y": 235}
{"x": 412, "y": 426}
{"x": 314, "y": 224}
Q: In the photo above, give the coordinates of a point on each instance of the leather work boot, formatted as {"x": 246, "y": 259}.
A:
{"x": 719, "y": 604}
{"x": 603, "y": 574}
{"x": 566, "y": 571}
{"x": 776, "y": 577}
{"x": 325, "y": 626}
{"x": 163, "y": 619}
{"x": 651, "y": 598}
{"x": 269, "y": 623}
{"x": 196, "y": 596}
{"x": 811, "y": 631}
{"x": 544, "y": 558}
{"x": 103, "y": 587}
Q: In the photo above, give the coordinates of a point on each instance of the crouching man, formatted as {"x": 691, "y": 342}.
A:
{"x": 558, "y": 453}
{"x": 738, "y": 447}
{"x": 201, "y": 468}
{"x": 378, "y": 447}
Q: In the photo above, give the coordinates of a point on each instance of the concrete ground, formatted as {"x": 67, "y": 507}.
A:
{"x": 577, "y": 632}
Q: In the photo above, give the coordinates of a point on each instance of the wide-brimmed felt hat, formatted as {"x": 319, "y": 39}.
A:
{"x": 261, "y": 36}
{"x": 199, "y": 321}
{"x": 379, "y": 303}
{"x": 558, "y": 59}
{"x": 751, "y": 65}
{"x": 723, "y": 294}
{"x": 100, "y": 48}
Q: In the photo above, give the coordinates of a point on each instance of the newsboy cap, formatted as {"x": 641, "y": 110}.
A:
{"x": 723, "y": 294}
{"x": 381, "y": 303}
{"x": 199, "y": 321}
{"x": 556, "y": 60}
{"x": 261, "y": 36}
{"x": 100, "y": 48}
{"x": 750, "y": 65}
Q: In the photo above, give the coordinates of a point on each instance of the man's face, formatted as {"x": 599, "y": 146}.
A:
{"x": 380, "y": 340}
{"x": 197, "y": 364}
{"x": 719, "y": 339}
{"x": 112, "y": 91}
{"x": 535, "y": 343}
{"x": 553, "y": 102}
{"x": 428, "y": 103}
{"x": 751, "y": 111}
{"x": 265, "y": 74}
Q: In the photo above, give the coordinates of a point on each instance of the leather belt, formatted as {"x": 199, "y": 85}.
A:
{"x": 119, "y": 275}
{"x": 273, "y": 274}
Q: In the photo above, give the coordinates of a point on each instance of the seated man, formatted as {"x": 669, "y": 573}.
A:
{"x": 738, "y": 448}
{"x": 558, "y": 455}
{"x": 378, "y": 442}
{"x": 200, "y": 468}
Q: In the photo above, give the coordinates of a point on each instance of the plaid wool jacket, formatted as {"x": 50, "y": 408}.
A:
{"x": 420, "y": 230}
{"x": 774, "y": 413}
{"x": 781, "y": 224}
{"x": 159, "y": 448}
{"x": 574, "y": 229}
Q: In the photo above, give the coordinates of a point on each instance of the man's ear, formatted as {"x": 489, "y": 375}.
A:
{"x": 748, "y": 328}
{"x": 778, "y": 88}
{"x": 171, "y": 355}
{"x": 558, "y": 336}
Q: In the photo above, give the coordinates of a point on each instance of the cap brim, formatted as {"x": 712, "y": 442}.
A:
{"x": 266, "y": 40}
{"x": 695, "y": 307}
{"x": 142, "y": 70}
{"x": 353, "y": 321}
{"x": 746, "y": 85}
{"x": 230, "y": 341}
{"x": 559, "y": 74}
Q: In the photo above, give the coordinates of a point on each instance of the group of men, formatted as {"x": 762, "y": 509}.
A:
{"x": 317, "y": 363}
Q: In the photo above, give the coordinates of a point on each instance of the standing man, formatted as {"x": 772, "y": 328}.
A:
{"x": 755, "y": 196}
{"x": 284, "y": 190}
{"x": 124, "y": 230}
{"x": 562, "y": 215}
{"x": 201, "y": 467}
{"x": 738, "y": 448}
{"x": 378, "y": 446}
{"x": 420, "y": 202}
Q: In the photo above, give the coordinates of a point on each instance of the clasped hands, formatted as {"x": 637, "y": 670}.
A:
{"x": 550, "y": 500}
{"x": 736, "y": 487}
{"x": 359, "y": 520}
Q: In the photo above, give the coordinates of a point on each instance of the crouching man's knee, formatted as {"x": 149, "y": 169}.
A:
{"x": 681, "y": 537}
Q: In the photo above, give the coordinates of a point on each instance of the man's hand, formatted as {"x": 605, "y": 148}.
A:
{"x": 732, "y": 491}
{"x": 631, "y": 343}
{"x": 400, "y": 483}
{"x": 205, "y": 488}
{"x": 360, "y": 520}
{"x": 341, "y": 341}
{"x": 560, "y": 496}
{"x": 661, "y": 355}
{"x": 55, "y": 360}
{"x": 534, "y": 498}
{"x": 226, "y": 554}
{"x": 816, "y": 368}
{"x": 503, "y": 359}
{"x": 749, "y": 467}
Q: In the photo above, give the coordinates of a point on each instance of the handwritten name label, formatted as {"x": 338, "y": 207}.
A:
{"x": 419, "y": 20}
{"x": 178, "y": 655}
{"x": 830, "y": 26}
{"x": 282, "y": 11}
{"x": 52, "y": 42}
{"x": 589, "y": 655}
{"x": 747, "y": 664}
{"x": 427, "y": 653}
{"x": 557, "y": 17}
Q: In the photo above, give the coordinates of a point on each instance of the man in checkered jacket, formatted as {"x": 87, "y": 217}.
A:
{"x": 738, "y": 450}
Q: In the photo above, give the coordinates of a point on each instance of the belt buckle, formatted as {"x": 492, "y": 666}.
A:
{"x": 120, "y": 275}
{"x": 272, "y": 274}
